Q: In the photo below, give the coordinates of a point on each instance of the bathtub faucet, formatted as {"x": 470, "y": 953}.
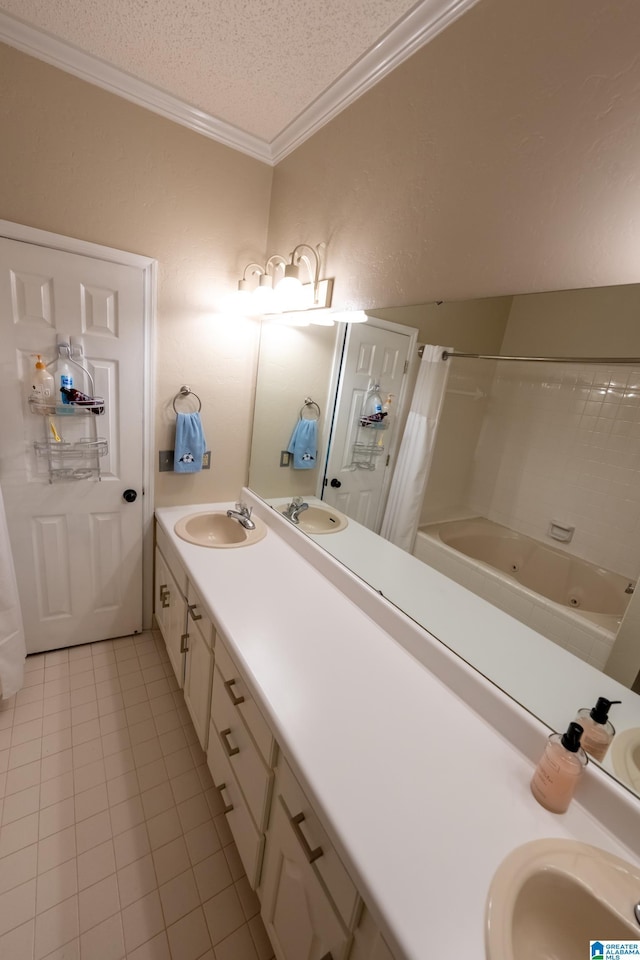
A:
{"x": 630, "y": 587}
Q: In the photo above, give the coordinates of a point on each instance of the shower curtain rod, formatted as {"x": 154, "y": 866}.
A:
{"x": 628, "y": 361}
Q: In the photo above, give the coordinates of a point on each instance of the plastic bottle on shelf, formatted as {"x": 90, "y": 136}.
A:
{"x": 373, "y": 411}
{"x": 65, "y": 379}
{"x": 43, "y": 384}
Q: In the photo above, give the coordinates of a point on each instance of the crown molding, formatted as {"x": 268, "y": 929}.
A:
{"x": 424, "y": 22}
{"x": 66, "y": 57}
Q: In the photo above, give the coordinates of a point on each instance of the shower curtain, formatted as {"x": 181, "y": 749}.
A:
{"x": 12, "y": 646}
{"x": 402, "y": 513}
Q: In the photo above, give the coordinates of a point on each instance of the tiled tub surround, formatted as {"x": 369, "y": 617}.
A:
{"x": 350, "y": 688}
{"x": 479, "y": 555}
{"x": 562, "y": 442}
{"x": 113, "y": 843}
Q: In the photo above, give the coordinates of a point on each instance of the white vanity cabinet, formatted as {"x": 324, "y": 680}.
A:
{"x": 309, "y": 903}
{"x": 368, "y": 942}
{"x": 188, "y": 634}
{"x": 198, "y": 645}
{"x": 171, "y": 614}
{"x": 241, "y": 755}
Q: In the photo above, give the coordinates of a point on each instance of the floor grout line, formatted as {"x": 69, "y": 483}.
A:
{"x": 174, "y": 802}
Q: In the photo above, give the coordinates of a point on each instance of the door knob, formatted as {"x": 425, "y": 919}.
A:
{"x": 129, "y": 496}
{"x": 336, "y": 483}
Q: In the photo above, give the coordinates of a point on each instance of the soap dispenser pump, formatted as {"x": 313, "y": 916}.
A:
{"x": 598, "y": 729}
{"x": 560, "y": 767}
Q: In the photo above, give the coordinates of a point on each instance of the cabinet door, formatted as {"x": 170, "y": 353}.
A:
{"x": 172, "y": 607}
{"x": 161, "y": 588}
{"x": 368, "y": 942}
{"x": 249, "y": 840}
{"x": 300, "y": 920}
{"x": 197, "y": 684}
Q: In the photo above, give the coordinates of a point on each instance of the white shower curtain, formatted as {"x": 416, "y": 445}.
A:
{"x": 12, "y": 646}
{"x": 402, "y": 513}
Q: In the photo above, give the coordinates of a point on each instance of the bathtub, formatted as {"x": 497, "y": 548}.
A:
{"x": 572, "y": 602}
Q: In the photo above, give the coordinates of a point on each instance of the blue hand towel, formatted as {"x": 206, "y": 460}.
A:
{"x": 304, "y": 444}
{"x": 190, "y": 443}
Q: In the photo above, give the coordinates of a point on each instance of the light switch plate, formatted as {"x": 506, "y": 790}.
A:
{"x": 285, "y": 458}
{"x": 165, "y": 460}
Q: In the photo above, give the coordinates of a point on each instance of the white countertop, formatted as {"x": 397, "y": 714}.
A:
{"x": 421, "y": 796}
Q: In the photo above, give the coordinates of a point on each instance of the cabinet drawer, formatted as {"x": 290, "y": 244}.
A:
{"x": 172, "y": 558}
{"x": 198, "y": 617}
{"x": 254, "y": 777}
{"x": 238, "y": 693}
{"x": 316, "y": 844}
{"x": 249, "y": 841}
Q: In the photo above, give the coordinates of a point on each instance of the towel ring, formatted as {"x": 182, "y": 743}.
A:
{"x": 308, "y": 402}
{"x": 186, "y": 392}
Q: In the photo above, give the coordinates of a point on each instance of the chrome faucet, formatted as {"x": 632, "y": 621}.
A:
{"x": 630, "y": 587}
{"x": 294, "y": 509}
{"x": 242, "y": 514}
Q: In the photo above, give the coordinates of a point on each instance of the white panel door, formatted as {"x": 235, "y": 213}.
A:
{"x": 77, "y": 544}
{"x": 357, "y": 474}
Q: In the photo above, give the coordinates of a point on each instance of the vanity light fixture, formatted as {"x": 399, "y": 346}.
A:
{"x": 280, "y": 289}
{"x": 285, "y": 298}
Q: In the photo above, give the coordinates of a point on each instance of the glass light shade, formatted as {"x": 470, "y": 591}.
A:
{"x": 290, "y": 294}
{"x": 240, "y": 303}
{"x": 264, "y": 299}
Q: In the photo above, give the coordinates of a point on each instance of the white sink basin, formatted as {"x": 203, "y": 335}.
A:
{"x": 319, "y": 519}
{"x": 549, "y": 898}
{"x": 216, "y": 529}
{"x": 625, "y": 756}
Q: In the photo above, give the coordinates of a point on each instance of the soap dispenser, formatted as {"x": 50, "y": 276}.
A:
{"x": 598, "y": 729}
{"x": 42, "y": 383}
{"x": 560, "y": 767}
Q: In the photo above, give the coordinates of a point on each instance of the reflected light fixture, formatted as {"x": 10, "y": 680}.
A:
{"x": 280, "y": 294}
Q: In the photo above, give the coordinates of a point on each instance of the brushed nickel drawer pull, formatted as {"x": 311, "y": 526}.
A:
{"x": 309, "y": 853}
{"x": 234, "y": 700}
{"x": 194, "y": 616}
{"x": 228, "y": 807}
{"x": 231, "y": 751}
{"x": 183, "y": 643}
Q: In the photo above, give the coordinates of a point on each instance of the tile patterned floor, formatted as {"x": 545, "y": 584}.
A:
{"x": 113, "y": 843}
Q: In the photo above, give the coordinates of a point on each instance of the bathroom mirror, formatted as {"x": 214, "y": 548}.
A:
{"x": 525, "y": 444}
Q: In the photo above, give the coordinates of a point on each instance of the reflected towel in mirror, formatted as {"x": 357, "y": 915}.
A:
{"x": 304, "y": 444}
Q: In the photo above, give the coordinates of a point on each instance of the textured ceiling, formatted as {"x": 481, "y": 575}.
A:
{"x": 255, "y": 64}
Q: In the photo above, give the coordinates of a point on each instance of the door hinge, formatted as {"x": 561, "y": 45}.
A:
{"x": 406, "y": 367}
{"x": 387, "y": 460}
